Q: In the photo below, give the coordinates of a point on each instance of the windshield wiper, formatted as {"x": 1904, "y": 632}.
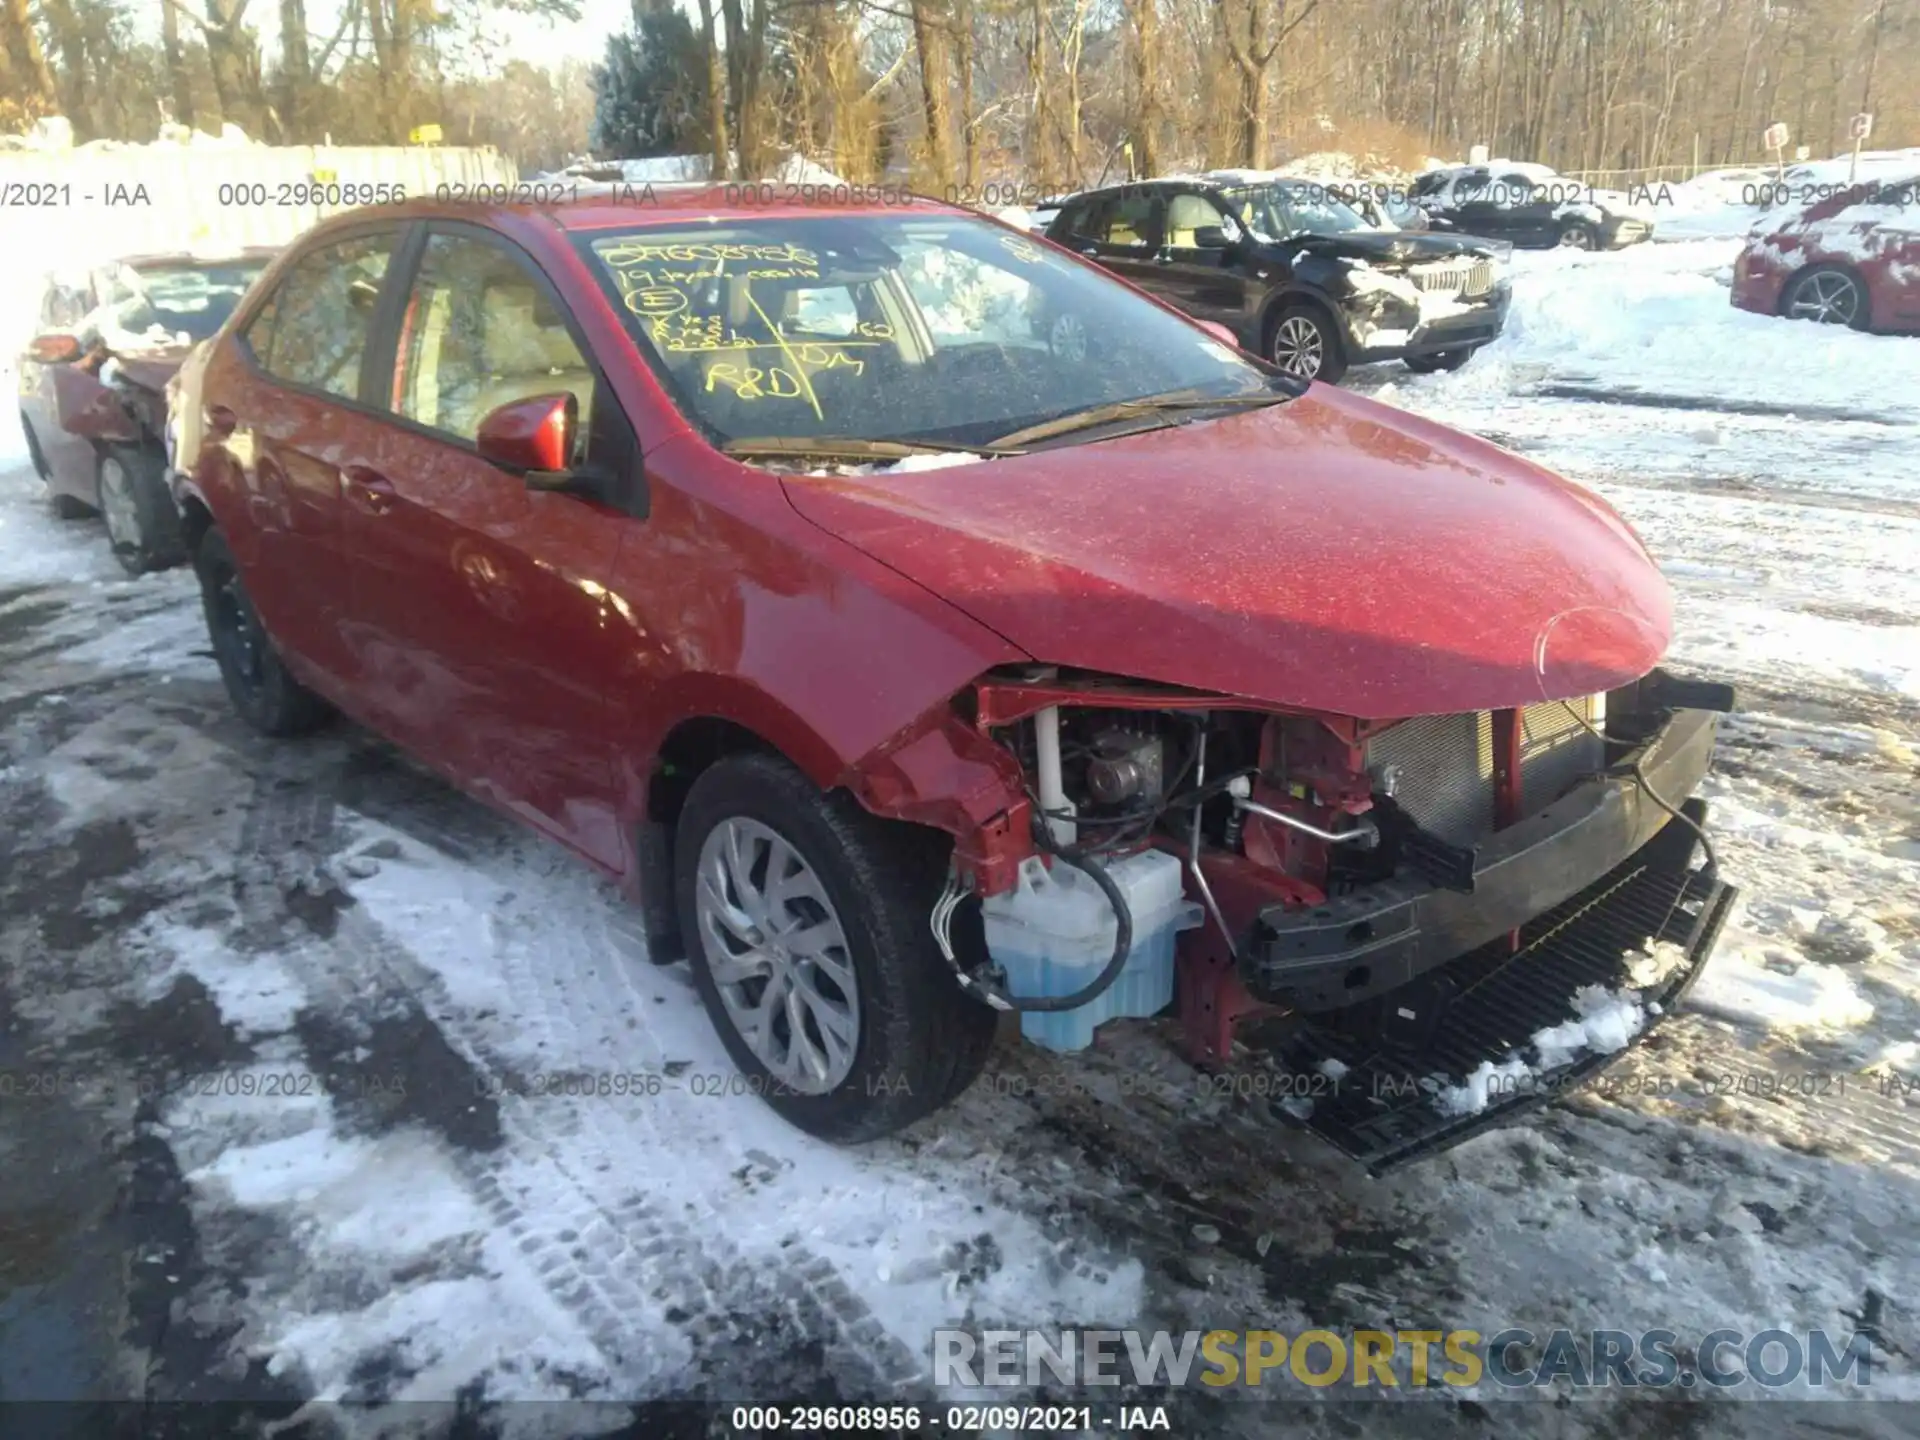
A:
{"x": 853, "y": 447}
{"x": 1132, "y": 409}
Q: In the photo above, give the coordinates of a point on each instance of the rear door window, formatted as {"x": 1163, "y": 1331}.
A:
{"x": 1127, "y": 221}
{"x": 312, "y": 332}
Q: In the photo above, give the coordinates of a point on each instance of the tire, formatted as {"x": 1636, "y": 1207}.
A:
{"x": 911, "y": 1039}
{"x": 267, "y": 697}
{"x": 1826, "y": 295}
{"x": 1579, "y": 235}
{"x": 1444, "y": 360}
{"x": 34, "y": 454}
{"x": 1305, "y": 343}
{"x": 143, "y": 524}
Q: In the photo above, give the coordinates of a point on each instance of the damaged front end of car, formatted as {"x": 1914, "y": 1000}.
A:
{"x": 1386, "y": 905}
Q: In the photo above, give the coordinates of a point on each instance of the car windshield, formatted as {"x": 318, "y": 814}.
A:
{"x": 173, "y": 304}
{"x": 1281, "y": 208}
{"x": 928, "y": 329}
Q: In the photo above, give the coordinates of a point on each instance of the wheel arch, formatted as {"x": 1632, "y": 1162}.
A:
{"x": 195, "y": 521}
{"x": 696, "y": 740}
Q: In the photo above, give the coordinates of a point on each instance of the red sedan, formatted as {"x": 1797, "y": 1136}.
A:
{"x": 93, "y": 382}
{"x": 1852, "y": 259}
{"x": 769, "y": 558}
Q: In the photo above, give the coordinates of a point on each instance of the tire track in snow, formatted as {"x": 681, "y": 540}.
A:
{"x": 607, "y": 1260}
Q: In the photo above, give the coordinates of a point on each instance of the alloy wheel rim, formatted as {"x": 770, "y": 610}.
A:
{"x": 1298, "y": 347}
{"x": 1574, "y": 237}
{"x": 117, "y": 507}
{"x": 1068, "y": 338}
{"x": 778, "y": 955}
{"x": 1829, "y": 299}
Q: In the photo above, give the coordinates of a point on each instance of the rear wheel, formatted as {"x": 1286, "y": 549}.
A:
{"x": 143, "y": 524}
{"x": 1445, "y": 360}
{"x": 1305, "y": 343}
{"x": 1828, "y": 296}
{"x": 807, "y": 928}
{"x": 267, "y": 697}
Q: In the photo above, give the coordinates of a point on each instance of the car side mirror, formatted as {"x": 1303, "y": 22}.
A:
{"x": 1210, "y": 237}
{"x": 534, "y": 438}
{"x": 55, "y": 349}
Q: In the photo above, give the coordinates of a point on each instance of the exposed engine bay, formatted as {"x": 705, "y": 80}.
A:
{"x": 1335, "y": 867}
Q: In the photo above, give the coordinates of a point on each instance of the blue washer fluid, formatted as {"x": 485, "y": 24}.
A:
{"x": 1053, "y": 933}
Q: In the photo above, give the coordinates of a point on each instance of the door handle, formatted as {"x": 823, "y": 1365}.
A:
{"x": 220, "y": 420}
{"x": 1089, "y": 250}
{"x": 368, "y": 490}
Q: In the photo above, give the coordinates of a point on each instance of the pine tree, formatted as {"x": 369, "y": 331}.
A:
{"x": 650, "y": 93}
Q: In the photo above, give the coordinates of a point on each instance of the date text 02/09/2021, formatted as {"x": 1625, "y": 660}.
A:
{"x": 902, "y": 1420}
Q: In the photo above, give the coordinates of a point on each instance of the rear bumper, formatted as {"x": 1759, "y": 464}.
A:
{"x": 1356, "y": 947}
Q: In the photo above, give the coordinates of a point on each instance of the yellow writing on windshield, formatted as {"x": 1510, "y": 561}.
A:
{"x": 620, "y": 256}
{"x": 780, "y": 382}
{"x": 1022, "y": 249}
{"x": 751, "y": 382}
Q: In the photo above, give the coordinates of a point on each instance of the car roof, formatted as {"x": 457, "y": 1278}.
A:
{"x": 639, "y": 204}
{"x": 182, "y": 258}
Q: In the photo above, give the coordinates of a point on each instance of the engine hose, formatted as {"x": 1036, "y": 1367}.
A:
{"x": 1122, "y": 941}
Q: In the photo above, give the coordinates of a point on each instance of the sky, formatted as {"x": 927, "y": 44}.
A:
{"x": 517, "y": 36}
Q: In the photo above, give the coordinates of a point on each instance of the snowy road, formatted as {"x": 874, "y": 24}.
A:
{"x": 310, "y": 1010}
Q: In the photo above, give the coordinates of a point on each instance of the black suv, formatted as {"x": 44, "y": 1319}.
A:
{"x": 1294, "y": 272}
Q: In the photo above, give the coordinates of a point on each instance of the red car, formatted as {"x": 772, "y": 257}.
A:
{"x": 768, "y": 559}
{"x": 1852, "y": 259}
{"x": 93, "y": 387}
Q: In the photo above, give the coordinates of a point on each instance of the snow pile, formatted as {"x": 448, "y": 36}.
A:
{"x": 1765, "y": 983}
{"x": 1336, "y": 165}
{"x": 1604, "y": 1021}
{"x": 1658, "y": 319}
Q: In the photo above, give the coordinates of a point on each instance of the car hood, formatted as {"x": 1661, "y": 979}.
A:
{"x": 1376, "y": 246}
{"x": 1329, "y": 553}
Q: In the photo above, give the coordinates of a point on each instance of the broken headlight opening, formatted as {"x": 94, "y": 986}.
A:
{"x": 1114, "y": 770}
{"x": 1331, "y": 862}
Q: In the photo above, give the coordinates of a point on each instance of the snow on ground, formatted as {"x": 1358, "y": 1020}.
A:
{"x": 1774, "y": 469}
{"x": 440, "y": 1126}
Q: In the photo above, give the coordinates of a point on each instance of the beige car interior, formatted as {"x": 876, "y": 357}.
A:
{"x": 1187, "y": 215}
{"x": 467, "y": 359}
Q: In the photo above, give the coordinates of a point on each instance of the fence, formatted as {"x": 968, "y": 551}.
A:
{"x": 78, "y": 206}
{"x": 1657, "y": 174}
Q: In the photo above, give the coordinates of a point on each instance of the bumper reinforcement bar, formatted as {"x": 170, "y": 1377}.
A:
{"x": 1487, "y": 1006}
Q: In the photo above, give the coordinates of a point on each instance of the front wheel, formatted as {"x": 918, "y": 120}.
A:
{"x": 1579, "y": 235}
{"x": 267, "y": 697}
{"x": 807, "y": 926}
{"x": 1306, "y": 344}
{"x": 143, "y": 524}
{"x": 1444, "y": 360}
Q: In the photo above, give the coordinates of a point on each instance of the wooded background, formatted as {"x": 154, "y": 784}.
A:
{"x": 967, "y": 92}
